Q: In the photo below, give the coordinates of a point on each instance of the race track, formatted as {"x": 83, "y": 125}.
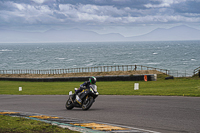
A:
{"x": 155, "y": 113}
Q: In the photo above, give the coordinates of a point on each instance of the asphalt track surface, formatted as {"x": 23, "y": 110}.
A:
{"x": 156, "y": 113}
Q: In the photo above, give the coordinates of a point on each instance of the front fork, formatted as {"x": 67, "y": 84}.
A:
{"x": 86, "y": 98}
{"x": 72, "y": 97}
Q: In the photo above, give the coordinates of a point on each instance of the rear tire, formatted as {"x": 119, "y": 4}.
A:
{"x": 87, "y": 104}
{"x": 69, "y": 104}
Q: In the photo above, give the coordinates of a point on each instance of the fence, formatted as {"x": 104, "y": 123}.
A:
{"x": 196, "y": 70}
{"x": 177, "y": 73}
{"x": 85, "y": 69}
{"x": 174, "y": 73}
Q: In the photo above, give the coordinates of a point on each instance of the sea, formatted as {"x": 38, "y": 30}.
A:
{"x": 183, "y": 56}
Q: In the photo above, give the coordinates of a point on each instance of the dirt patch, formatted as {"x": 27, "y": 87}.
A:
{"x": 141, "y": 72}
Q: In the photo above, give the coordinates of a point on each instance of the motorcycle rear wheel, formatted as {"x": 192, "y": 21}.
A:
{"x": 69, "y": 104}
{"x": 87, "y": 103}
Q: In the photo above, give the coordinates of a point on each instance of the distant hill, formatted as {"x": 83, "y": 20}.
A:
{"x": 76, "y": 35}
{"x": 71, "y": 35}
{"x": 176, "y": 33}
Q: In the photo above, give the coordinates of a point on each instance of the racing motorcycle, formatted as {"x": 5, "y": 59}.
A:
{"x": 84, "y": 99}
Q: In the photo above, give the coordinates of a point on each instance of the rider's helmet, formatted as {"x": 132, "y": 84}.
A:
{"x": 92, "y": 80}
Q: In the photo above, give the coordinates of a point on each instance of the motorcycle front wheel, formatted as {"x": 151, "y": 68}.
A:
{"x": 69, "y": 104}
{"x": 87, "y": 103}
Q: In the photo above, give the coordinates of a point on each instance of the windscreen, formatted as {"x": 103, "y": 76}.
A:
{"x": 94, "y": 87}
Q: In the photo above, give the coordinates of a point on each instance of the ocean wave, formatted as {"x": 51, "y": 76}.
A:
{"x": 60, "y": 58}
{"x": 5, "y": 50}
{"x": 90, "y": 64}
{"x": 22, "y": 63}
{"x": 153, "y": 63}
{"x": 69, "y": 59}
{"x": 193, "y": 60}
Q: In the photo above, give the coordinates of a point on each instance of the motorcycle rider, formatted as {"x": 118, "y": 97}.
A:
{"x": 86, "y": 84}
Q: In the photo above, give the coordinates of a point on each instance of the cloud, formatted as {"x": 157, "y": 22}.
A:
{"x": 39, "y": 1}
{"x": 26, "y": 14}
{"x": 163, "y": 3}
{"x": 97, "y": 12}
{"x": 92, "y": 13}
{"x": 191, "y": 6}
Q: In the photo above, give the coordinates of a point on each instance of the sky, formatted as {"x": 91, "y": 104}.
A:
{"x": 127, "y": 17}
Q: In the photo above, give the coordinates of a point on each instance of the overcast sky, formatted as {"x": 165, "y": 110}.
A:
{"x": 127, "y": 17}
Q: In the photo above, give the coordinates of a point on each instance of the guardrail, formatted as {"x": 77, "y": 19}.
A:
{"x": 177, "y": 73}
{"x": 196, "y": 70}
{"x": 85, "y": 69}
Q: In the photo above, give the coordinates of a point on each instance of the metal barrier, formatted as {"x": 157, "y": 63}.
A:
{"x": 197, "y": 70}
{"x": 150, "y": 77}
{"x": 177, "y": 73}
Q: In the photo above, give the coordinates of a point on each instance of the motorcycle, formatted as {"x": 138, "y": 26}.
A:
{"x": 84, "y": 99}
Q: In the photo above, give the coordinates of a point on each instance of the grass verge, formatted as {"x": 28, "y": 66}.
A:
{"x": 161, "y": 87}
{"x": 14, "y": 125}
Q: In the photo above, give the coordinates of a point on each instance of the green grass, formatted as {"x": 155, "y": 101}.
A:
{"x": 176, "y": 87}
{"x": 21, "y": 125}
{"x": 161, "y": 87}
{"x": 37, "y": 88}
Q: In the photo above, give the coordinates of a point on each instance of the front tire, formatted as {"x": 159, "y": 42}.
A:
{"x": 69, "y": 104}
{"x": 87, "y": 103}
